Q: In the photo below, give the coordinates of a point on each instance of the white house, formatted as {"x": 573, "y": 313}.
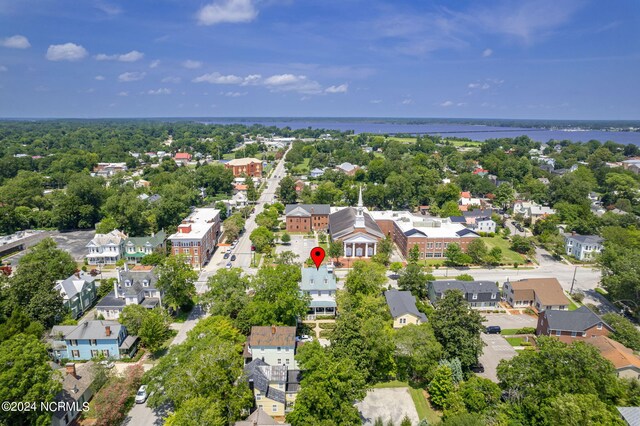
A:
{"x": 106, "y": 249}
{"x": 273, "y": 345}
{"x": 484, "y": 224}
{"x": 320, "y": 284}
{"x": 582, "y": 247}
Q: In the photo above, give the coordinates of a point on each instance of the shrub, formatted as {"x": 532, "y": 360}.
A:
{"x": 526, "y": 330}
{"x": 578, "y": 297}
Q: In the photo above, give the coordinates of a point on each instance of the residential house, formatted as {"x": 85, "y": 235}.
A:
{"x": 76, "y": 392}
{"x": 141, "y": 183}
{"x": 579, "y": 324}
{"x": 531, "y": 210}
{"x": 320, "y": 284}
{"x": 539, "y": 293}
{"x": 78, "y": 292}
{"x": 627, "y": 363}
{"x": 402, "y": 305}
{"x": 432, "y": 235}
{"x": 633, "y": 165}
{"x": 316, "y": 173}
{"x": 197, "y": 236}
{"x": 467, "y": 200}
{"x": 107, "y": 170}
{"x": 106, "y": 249}
{"x": 135, "y": 286}
{"x": 275, "y": 387}
{"x": 630, "y": 415}
{"x": 259, "y": 418}
{"x": 138, "y": 247}
{"x": 182, "y": 158}
{"x": 472, "y": 216}
{"x": 479, "y": 294}
{"x": 484, "y": 224}
{"x": 307, "y": 217}
{"x": 251, "y": 167}
{"x": 299, "y": 185}
{"x": 583, "y": 247}
{"x": 92, "y": 339}
{"x": 347, "y": 168}
{"x": 275, "y": 345}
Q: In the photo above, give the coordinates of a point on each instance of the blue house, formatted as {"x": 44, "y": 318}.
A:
{"x": 320, "y": 284}
{"x": 92, "y": 339}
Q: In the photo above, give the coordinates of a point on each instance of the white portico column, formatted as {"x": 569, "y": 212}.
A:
{"x": 345, "y": 249}
{"x": 375, "y": 248}
{"x": 353, "y": 249}
{"x": 366, "y": 249}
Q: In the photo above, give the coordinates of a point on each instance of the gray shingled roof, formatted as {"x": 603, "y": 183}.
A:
{"x": 478, "y": 213}
{"x": 579, "y": 320}
{"x": 401, "y": 303}
{"x": 73, "y": 285}
{"x": 631, "y": 415}
{"x": 466, "y": 286}
{"x": 586, "y": 239}
{"x": 341, "y": 224}
{"x": 309, "y": 208}
{"x": 94, "y": 330}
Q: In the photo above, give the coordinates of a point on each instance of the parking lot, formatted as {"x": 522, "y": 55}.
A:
{"x": 497, "y": 348}
{"x": 389, "y": 404}
{"x": 510, "y": 321}
{"x": 73, "y": 242}
{"x": 299, "y": 245}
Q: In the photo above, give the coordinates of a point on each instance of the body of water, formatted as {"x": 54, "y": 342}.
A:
{"x": 474, "y": 132}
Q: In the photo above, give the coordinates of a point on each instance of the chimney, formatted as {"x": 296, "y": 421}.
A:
{"x": 115, "y": 288}
{"x": 71, "y": 369}
{"x": 573, "y": 233}
{"x": 273, "y": 329}
{"x": 107, "y": 330}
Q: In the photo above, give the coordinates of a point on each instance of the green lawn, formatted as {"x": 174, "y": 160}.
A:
{"x": 302, "y": 168}
{"x": 403, "y": 140}
{"x": 508, "y": 256}
{"x": 423, "y": 407}
{"x": 465, "y": 143}
{"x": 515, "y": 341}
{"x": 509, "y": 331}
{"x": 572, "y": 304}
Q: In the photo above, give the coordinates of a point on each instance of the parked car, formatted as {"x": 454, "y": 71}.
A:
{"x": 478, "y": 368}
{"x": 493, "y": 329}
{"x": 229, "y": 265}
{"x": 141, "y": 396}
{"x": 233, "y": 257}
{"x": 107, "y": 364}
{"x": 304, "y": 338}
{"x": 226, "y": 255}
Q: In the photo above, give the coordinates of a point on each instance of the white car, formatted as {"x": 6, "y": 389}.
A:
{"x": 141, "y": 396}
{"x": 229, "y": 265}
{"x": 304, "y": 338}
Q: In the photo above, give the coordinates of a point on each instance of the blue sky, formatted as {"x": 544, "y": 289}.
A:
{"x": 562, "y": 59}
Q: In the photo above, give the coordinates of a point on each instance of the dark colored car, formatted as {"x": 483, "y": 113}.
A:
{"x": 478, "y": 368}
{"x": 233, "y": 257}
{"x": 226, "y": 256}
{"x": 493, "y": 329}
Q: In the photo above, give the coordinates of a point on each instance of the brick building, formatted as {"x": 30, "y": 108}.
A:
{"x": 579, "y": 324}
{"x": 197, "y": 236}
{"x": 307, "y": 217}
{"x": 245, "y": 166}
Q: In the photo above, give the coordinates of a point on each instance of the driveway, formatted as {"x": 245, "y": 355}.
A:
{"x": 389, "y": 404}
{"x": 497, "y": 348}
{"x": 510, "y": 321}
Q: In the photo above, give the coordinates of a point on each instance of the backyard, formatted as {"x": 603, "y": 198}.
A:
{"x": 508, "y": 256}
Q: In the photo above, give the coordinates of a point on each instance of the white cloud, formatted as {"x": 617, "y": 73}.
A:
{"x": 66, "y": 52}
{"x": 407, "y": 101}
{"x": 461, "y": 104}
{"x": 154, "y": 64}
{"x": 99, "y": 77}
{"x": 3, "y": 68}
{"x": 337, "y": 89}
{"x": 233, "y": 11}
{"x": 109, "y": 9}
{"x": 446, "y": 104}
{"x": 15, "y": 42}
{"x": 375, "y": 101}
{"x": 486, "y": 53}
{"x": 217, "y": 78}
{"x": 163, "y": 91}
{"x": 252, "y": 79}
{"x": 132, "y": 56}
{"x": 483, "y": 86}
{"x": 291, "y": 82}
{"x": 123, "y": 94}
{"x": 233, "y": 94}
{"x": 175, "y": 80}
{"x": 192, "y": 65}
{"x": 131, "y": 76}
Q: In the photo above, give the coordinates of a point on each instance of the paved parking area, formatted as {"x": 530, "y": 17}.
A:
{"x": 497, "y": 348}
{"x": 299, "y": 245}
{"x": 510, "y": 321}
{"x": 74, "y": 242}
{"x": 389, "y": 404}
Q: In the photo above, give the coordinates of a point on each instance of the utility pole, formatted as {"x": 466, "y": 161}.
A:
{"x": 573, "y": 280}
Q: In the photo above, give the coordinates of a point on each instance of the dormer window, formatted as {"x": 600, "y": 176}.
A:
{"x": 145, "y": 283}
{"x": 475, "y": 296}
{"x": 599, "y": 326}
{"x": 127, "y": 283}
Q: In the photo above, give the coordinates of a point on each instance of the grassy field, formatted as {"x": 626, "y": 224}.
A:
{"x": 515, "y": 341}
{"x": 508, "y": 255}
{"x": 423, "y": 407}
{"x": 403, "y": 140}
{"x": 466, "y": 143}
{"x": 302, "y": 168}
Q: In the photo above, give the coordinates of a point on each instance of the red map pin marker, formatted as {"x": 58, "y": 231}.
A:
{"x": 317, "y": 255}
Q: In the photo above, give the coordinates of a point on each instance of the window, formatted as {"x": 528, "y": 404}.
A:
{"x": 94, "y": 353}
{"x": 274, "y": 408}
{"x": 279, "y": 361}
{"x": 493, "y": 295}
{"x": 475, "y": 296}
{"x": 279, "y": 348}
{"x": 438, "y": 245}
{"x": 574, "y": 334}
{"x": 127, "y": 283}
{"x": 74, "y": 343}
{"x": 599, "y": 326}
{"x": 258, "y": 398}
{"x": 403, "y": 321}
{"x": 145, "y": 283}
{"x": 287, "y": 361}
{"x": 105, "y": 352}
{"x": 429, "y": 245}
{"x": 558, "y": 332}
{"x": 93, "y": 342}
{"x": 75, "y": 354}
{"x": 584, "y": 334}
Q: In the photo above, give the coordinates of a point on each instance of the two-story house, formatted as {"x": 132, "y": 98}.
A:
{"x": 76, "y": 391}
{"x": 92, "y": 339}
{"x": 275, "y": 387}
{"x": 583, "y": 247}
{"x": 138, "y": 247}
{"x": 579, "y": 324}
{"x": 320, "y": 284}
{"x": 78, "y": 292}
{"x": 539, "y": 293}
{"x": 402, "y": 305}
{"x": 479, "y": 294}
{"x": 135, "y": 286}
{"x": 106, "y": 249}
{"x": 275, "y": 345}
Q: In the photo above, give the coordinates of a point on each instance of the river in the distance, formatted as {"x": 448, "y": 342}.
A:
{"x": 474, "y": 132}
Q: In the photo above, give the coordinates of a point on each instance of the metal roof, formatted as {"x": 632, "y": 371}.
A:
{"x": 401, "y": 303}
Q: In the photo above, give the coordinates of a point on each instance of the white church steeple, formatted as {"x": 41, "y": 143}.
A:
{"x": 359, "y": 212}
